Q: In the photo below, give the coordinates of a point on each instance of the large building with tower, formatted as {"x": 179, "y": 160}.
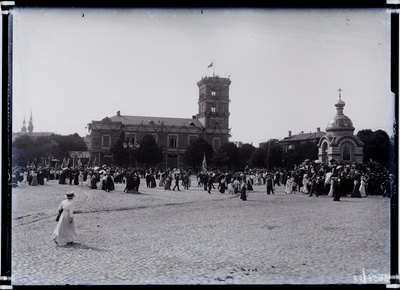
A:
{"x": 173, "y": 134}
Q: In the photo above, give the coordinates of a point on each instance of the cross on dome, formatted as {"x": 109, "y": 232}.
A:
{"x": 340, "y": 93}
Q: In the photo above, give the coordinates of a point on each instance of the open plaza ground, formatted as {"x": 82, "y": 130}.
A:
{"x": 193, "y": 237}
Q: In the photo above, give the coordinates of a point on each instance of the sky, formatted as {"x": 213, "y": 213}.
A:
{"x": 72, "y": 66}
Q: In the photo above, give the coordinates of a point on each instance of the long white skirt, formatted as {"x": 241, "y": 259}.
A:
{"x": 65, "y": 231}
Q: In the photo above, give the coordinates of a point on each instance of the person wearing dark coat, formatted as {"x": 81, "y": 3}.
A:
{"x": 136, "y": 182}
{"x": 129, "y": 182}
{"x": 153, "y": 181}
{"x": 109, "y": 183}
{"x": 76, "y": 178}
{"x": 243, "y": 190}
{"x": 93, "y": 181}
{"x": 210, "y": 182}
{"x": 249, "y": 184}
{"x": 40, "y": 177}
{"x": 63, "y": 175}
{"x": 176, "y": 182}
{"x": 148, "y": 179}
{"x": 356, "y": 188}
{"x": 222, "y": 185}
{"x": 335, "y": 188}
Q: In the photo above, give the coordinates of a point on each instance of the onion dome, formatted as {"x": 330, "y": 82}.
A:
{"x": 340, "y": 122}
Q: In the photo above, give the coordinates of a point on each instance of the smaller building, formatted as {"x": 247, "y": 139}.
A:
{"x": 290, "y": 142}
{"x": 340, "y": 143}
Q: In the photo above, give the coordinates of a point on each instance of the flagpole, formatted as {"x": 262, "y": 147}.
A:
{"x": 213, "y": 68}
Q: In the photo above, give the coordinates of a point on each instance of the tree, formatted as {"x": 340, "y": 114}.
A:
{"x": 72, "y": 142}
{"x": 194, "y": 153}
{"x": 119, "y": 152}
{"x": 274, "y": 154}
{"x": 227, "y": 155}
{"x": 245, "y": 153}
{"x": 381, "y": 149}
{"x": 365, "y": 136}
{"x": 257, "y": 158}
{"x": 27, "y": 149}
{"x": 149, "y": 152}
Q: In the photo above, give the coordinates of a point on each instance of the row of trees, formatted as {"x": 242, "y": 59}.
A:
{"x": 378, "y": 147}
{"x": 27, "y": 149}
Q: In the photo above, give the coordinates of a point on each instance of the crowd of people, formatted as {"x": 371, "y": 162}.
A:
{"x": 312, "y": 178}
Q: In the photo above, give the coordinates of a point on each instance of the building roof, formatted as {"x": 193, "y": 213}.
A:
{"x": 157, "y": 121}
{"x": 303, "y": 137}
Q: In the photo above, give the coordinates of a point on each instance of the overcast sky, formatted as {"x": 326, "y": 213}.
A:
{"x": 73, "y": 66}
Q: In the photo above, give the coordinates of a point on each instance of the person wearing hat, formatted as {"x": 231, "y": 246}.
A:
{"x": 64, "y": 232}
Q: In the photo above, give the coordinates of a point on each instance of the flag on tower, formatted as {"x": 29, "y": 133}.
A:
{"x": 210, "y": 65}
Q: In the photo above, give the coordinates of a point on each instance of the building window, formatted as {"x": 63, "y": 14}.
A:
{"x": 213, "y": 108}
{"x": 213, "y": 93}
{"x": 172, "y": 141}
{"x": 130, "y": 138}
{"x": 216, "y": 143}
{"x": 155, "y": 136}
{"x": 106, "y": 141}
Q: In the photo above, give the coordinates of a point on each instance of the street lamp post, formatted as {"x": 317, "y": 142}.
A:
{"x": 136, "y": 151}
{"x": 129, "y": 146}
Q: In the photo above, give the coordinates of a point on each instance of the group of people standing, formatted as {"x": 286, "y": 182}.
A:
{"x": 356, "y": 181}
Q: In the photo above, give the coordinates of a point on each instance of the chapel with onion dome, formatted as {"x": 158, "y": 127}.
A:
{"x": 339, "y": 143}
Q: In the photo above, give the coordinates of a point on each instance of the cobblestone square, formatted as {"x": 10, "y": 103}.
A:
{"x": 192, "y": 237}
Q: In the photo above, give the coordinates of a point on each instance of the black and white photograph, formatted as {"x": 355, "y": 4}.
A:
{"x": 202, "y": 146}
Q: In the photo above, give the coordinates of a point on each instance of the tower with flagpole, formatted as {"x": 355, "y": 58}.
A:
{"x": 212, "y": 64}
{"x": 213, "y": 111}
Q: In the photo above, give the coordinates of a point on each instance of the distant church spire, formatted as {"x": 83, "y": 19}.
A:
{"x": 23, "y": 129}
{"x": 30, "y": 126}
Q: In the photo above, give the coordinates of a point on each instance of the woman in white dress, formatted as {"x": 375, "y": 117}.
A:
{"x": 25, "y": 180}
{"x": 305, "y": 182}
{"x": 363, "y": 186}
{"x": 65, "y": 229}
{"x": 289, "y": 185}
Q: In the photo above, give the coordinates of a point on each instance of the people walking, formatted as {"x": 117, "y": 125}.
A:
{"x": 269, "y": 183}
{"x": 64, "y": 232}
{"x": 34, "y": 181}
{"x": 210, "y": 184}
{"x": 243, "y": 189}
{"x": 136, "y": 182}
{"x": 335, "y": 187}
{"x": 80, "y": 178}
{"x": 176, "y": 181}
{"x": 363, "y": 186}
{"x": 356, "y": 188}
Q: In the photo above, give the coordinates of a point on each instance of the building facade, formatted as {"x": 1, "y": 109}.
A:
{"x": 293, "y": 140}
{"x": 340, "y": 144}
{"x": 172, "y": 134}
